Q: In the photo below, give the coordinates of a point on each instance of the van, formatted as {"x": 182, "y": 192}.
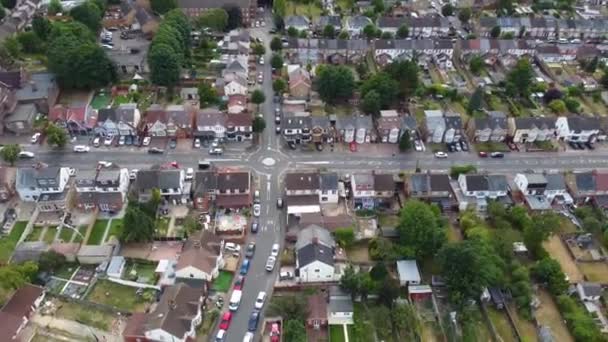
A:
{"x": 235, "y": 300}
{"x": 245, "y": 267}
{"x": 203, "y": 165}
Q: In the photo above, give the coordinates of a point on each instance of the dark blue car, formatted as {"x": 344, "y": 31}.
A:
{"x": 253, "y": 321}
{"x": 245, "y": 267}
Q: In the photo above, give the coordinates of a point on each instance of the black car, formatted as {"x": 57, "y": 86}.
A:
{"x": 253, "y": 321}
{"x": 292, "y": 145}
{"x": 450, "y": 147}
{"x": 277, "y": 129}
{"x": 250, "y": 251}
{"x": 589, "y": 146}
{"x": 172, "y": 143}
{"x": 156, "y": 150}
{"x": 573, "y": 145}
{"x": 497, "y": 155}
{"x": 254, "y": 227}
{"x": 580, "y": 145}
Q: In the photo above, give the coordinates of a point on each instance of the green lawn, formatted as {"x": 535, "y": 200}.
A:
{"x": 385, "y": 220}
{"x": 136, "y": 270}
{"x": 82, "y": 230}
{"x": 66, "y": 271}
{"x": 222, "y": 282}
{"x": 35, "y": 234}
{"x": 501, "y": 323}
{"x": 99, "y": 228}
{"x": 66, "y": 234}
{"x": 336, "y": 333}
{"x": 491, "y": 146}
{"x": 162, "y": 226}
{"x": 115, "y": 229}
{"x": 309, "y": 10}
{"x": 100, "y": 101}
{"x": 8, "y": 243}
{"x": 85, "y": 315}
{"x": 120, "y": 99}
{"x": 119, "y": 296}
{"x": 49, "y": 237}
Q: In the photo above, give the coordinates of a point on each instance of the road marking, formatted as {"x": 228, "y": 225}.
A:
{"x": 315, "y": 163}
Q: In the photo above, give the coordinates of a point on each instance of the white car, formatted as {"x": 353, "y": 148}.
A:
{"x": 104, "y": 163}
{"x": 232, "y": 247}
{"x": 274, "y": 251}
{"x": 133, "y": 174}
{"x": 71, "y": 171}
{"x": 197, "y": 143}
{"x": 270, "y": 263}
{"x": 81, "y": 148}
{"x": 261, "y": 60}
{"x": 259, "y": 302}
{"x": 108, "y": 140}
{"x": 257, "y": 209}
{"x": 248, "y": 337}
{"x": 146, "y": 141}
{"x": 221, "y": 334}
{"x": 121, "y": 140}
{"x": 189, "y": 173}
{"x": 417, "y": 145}
{"x": 441, "y": 155}
{"x": 26, "y": 155}
{"x": 96, "y": 141}
{"x": 35, "y": 137}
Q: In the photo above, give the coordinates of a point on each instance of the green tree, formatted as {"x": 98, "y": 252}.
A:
{"x": 207, "y": 95}
{"x": 557, "y": 106}
{"x": 520, "y": 288}
{"x": 55, "y": 7}
{"x": 464, "y": 14}
{"x": 276, "y": 44}
{"x": 505, "y": 6}
{"x": 548, "y": 271}
{"x": 343, "y": 35}
{"x": 2, "y": 12}
{"x": 406, "y": 323}
{"x": 13, "y": 47}
{"x": 295, "y": 331}
{"x": 406, "y": 73}
{"x": 15, "y": 276}
{"x": 292, "y": 32}
{"x": 370, "y": 31}
{"x": 51, "y": 261}
{"x": 581, "y": 324}
{"x": 386, "y": 35}
{"x": 384, "y": 85}
{"x": 279, "y": 7}
{"x": 495, "y": 32}
{"x": 258, "y": 97}
{"x": 349, "y": 281}
{"x": 10, "y": 4}
{"x": 335, "y": 83}
{"x": 345, "y": 236}
{"x": 476, "y": 64}
{"x": 164, "y": 65}
{"x": 371, "y": 102}
{"x": 572, "y": 105}
{"x": 447, "y": 10}
{"x": 381, "y": 249}
{"x": 259, "y": 124}
{"x": 329, "y": 31}
{"x": 56, "y": 136}
{"x": 458, "y": 170}
{"x": 30, "y": 42}
{"x": 258, "y": 49}
{"x": 520, "y": 79}
{"x": 215, "y": 19}
{"x": 403, "y": 31}
{"x": 10, "y": 153}
{"x": 378, "y": 6}
{"x": 420, "y": 229}
{"x": 279, "y": 86}
{"x": 41, "y": 26}
{"x": 141, "y": 226}
{"x": 163, "y": 6}
{"x": 405, "y": 143}
{"x": 276, "y": 61}
{"x": 475, "y": 101}
{"x": 539, "y": 230}
{"x": 591, "y": 66}
{"x": 89, "y": 14}
{"x": 288, "y": 307}
{"x": 592, "y": 225}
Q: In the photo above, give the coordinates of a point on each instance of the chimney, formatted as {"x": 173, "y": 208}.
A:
{"x": 172, "y": 304}
{"x": 315, "y": 240}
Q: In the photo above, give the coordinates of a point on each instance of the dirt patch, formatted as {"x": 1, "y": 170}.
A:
{"x": 557, "y": 250}
{"x": 547, "y": 314}
{"x": 359, "y": 254}
{"x": 596, "y": 272}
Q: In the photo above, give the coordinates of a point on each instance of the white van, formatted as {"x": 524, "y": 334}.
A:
{"x": 235, "y": 300}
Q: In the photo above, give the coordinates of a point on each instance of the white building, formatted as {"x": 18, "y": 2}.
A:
{"x": 315, "y": 255}
{"x": 408, "y": 272}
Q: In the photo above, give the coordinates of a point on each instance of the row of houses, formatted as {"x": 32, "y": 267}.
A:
{"x": 544, "y": 27}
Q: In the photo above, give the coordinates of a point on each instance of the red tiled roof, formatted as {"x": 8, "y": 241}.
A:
{"x": 232, "y": 201}
{"x": 238, "y": 120}
{"x": 317, "y": 307}
{"x": 9, "y": 325}
{"x": 135, "y": 325}
{"x": 22, "y": 300}
{"x": 601, "y": 181}
{"x": 60, "y": 112}
{"x": 156, "y": 113}
{"x": 237, "y": 100}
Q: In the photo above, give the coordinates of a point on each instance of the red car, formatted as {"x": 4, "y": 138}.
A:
{"x": 353, "y": 146}
{"x": 226, "y": 318}
{"x": 238, "y": 284}
{"x": 483, "y": 154}
{"x": 275, "y": 333}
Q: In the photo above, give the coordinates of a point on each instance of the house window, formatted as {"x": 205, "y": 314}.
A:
{"x": 323, "y": 198}
{"x": 317, "y": 270}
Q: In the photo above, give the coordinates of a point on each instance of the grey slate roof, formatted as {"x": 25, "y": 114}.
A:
{"x": 296, "y": 20}
{"x": 332, "y": 20}
{"x": 486, "y": 182}
{"x": 315, "y": 252}
{"x": 42, "y": 177}
{"x": 204, "y": 182}
{"x": 555, "y": 181}
{"x": 158, "y": 179}
{"x": 302, "y": 181}
{"x": 105, "y": 114}
{"x": 126, "y": 112}
{"x": 328, "y": 181}
{"x": 359, "y": 21}
{"x": 585, "y": 181}
{"x": 342, "y": 304}
{"x": 579, "y": 123}
{"x": 313, "y": 232}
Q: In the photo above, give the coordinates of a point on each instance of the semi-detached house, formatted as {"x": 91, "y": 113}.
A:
{"x": 48, "y": 186}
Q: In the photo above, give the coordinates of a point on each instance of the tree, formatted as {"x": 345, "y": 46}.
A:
{"x": 591, "y": 66}
{"x": 164, "y": 65}
{"x": 581, "y": 324}
{"x": 572, "y": 105}
{"x": 41, "y": 26}
{"x": 258, "y": 97}
{"x": 386, "y": 88}
{"x": 475, "y": 101}
{"x": 288, "y": 307}
{"x": 56, "y": 135}
{"x": 276, "y": 61}
{"x": 343, "y": 35}
{"x": 51, "y": 260}
{"x": 276, "y": 44}
{"x": 557, "y": 106}
{"x": 464, "y": 14}
{"x": 207, "y": 95}
{"x": 141, "y": 225}
{"x": 295, "y": 331}
{"x": 279, "y": 8}
{"x": 292, "y": 32}
{"x": 370, "y": 31}
{"x": 329, "y": 31}
{"x": 539, "y": 230}
{"x": 345, "y": 236}
{"x": 405, "y": 143}
{"x": 468, "y": 267}
{"x": 458, "y": 170}
{"x": 552, "y": 94}
{"x": 548, "y": 271}
{"x": 10, "y": 4}
{"x": 2, "y": 12}
{"x": 215, "y": 19}
{"x": 55, "y": 7}
{"x": 406, "y": 73}
{"x": 258, "y": 49}
{"x": 371, "y": 103}
{"x": 13, "y": 47}
{"x": 349, "y": 281}
{"x": 10, "y": 153}
{"x": 89, "y": 14}
{"x": 505, "y": 6}
{"x": 234, "y": 17}
{"x": 447, "y": 10}
{"x": 163, "y": 6}
{"x": 14, "y": 276}
{"x": 259, "y": 124}
{"x": 592, "y": 225}
{"x": 381, "y": 249}
{"x": 379, "y": 272}
{"x": 406, "y": 322}
{"x": 403, "y": 31}
{"x": 420, "y": 229}
{"x": 279, "y": 86}
{"x": 520, "y": 79}
{"x": 381, "y": 316}
{"x": 378, "y": 6}
{"x": 335, "y": 83}
{"x": 495, "y": 32}
{"x": 604, "y": 78}
{"x": 30, "y": 42}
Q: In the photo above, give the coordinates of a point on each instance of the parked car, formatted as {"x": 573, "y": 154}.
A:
{"x": 108, "y": 140}
{"x": 277, "y": 129}
{"x": 464, "y": 145}
{"x": 146, "y": 141}
{"x": 259, "y": 301}
{"x": 457, "y": 146}
{"x": 35, "y": 137}
{"x": 197, "y": 143}
{"x": 270, "y": 263}
{"x": 71, "y": 171}
{"x": 483, "y": 154}
{"x": 121, "y": 140}
{"x": 133, "y": 174}
{"x": 497, "y": 155}
{"x": 257, "y": 209}
{"x": 244, "y": 267}
{"x": 218, "y": 151}
{"x": 441, "y": 155}
{"x": 417, "y": 145}
{"x": 274, "y": 251}
{"x": 279, "y": 203}
{"x": 225, "y": 322}
{"x": 156, "y": 150}
{"x": 26, "y": 155}
{"x": 189, "y": 174}
{"x": 129, "y": 140}
{"x": 275, "y": 333}
{"x": 221, "y": 334}
{"x": 252, "y": 325}
{"x": 250, "y": 250}
{"x": 81, "y": 148}
{"x": 248, "y": 337}
{"x": 254, "y": 227}
{"x": 96, "y": 141}
{"x": 232, "y": 247}
{"x": 285, "y": 275}
{"x": 238, "y": 284}
{"x": 172, "y": 143}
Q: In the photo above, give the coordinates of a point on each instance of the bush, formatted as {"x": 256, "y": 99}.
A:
{"x": 345, "y": 236}
{"x": 457, "y": 170}
{"x": 580, "y": 323}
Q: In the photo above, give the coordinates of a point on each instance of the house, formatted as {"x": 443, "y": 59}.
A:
{"x": 200, "y": 260}
{"x": 156, "y": 120}
{"x": 45, "y": 185}
{"x": 490, "y": 128}
{"x": 578, "y": 128}
{"x": 128, "y": 117}
{"x": 355, "y": 24}
{"x": 544, "y": 187}
{"x": 364, "y": 129}
{"x": 236, "y": 42}
{"x": 175, "y": 317}
{"x": 17, "y": 311}
{"x": 21, "y": 120}
{"x": 589, "y": 292}
{"x": 388, "y": 126}
{"x": 384, "y": 187}
{"x": 434, "y": 126}
{"x": 409, "y": 125}
{"x": 453, "y": 127}
{"x": 233, "y": 189}
{"x": 371, "y": 190}
{"x": 107, "y": 122}
{"x": 204, "y": 189}
{"x": 237, "y": 65}
{"x": 315, "y": 255}
{"x": 328, "y": 188}
{"x": 299, "y": 22}
{"x": 433, "y": 188}
{"x": 39, "y": 89}
{"x": 586, "y": 186}
{"x": 7, "y": 183}
{"x": 297, "y": 127}
{"x": 340, "y": 309}
{"x": 531, "y": 129}
{"x": 408, "y": 272}
{"x": 170, "y": 183}
{"x": 302, "y": 193}
{"x": 7, "y": 100}
{"x": 438, "y": 51}
{"x": 235, "y": 84}
{"x": 328, "y": 20}
{"x": 317, "y": 311}
{"x": 116, "y": 267}
{"x": 345, "y": 129}
{"x": 477, "y": 189}
{"x": 237, "y": 104}
{"x": 391, "y": 24}
{"x": 104, "y": 189}
{"x": 72, "y": 118}
{"x": 239, "y": 127}
{"x": 210, "y": 124}
{"x": 179, "y": 121}
{"x": 321, "y": 129}
{"x": 194, "y": 8}
{"x": 299, "y": 83}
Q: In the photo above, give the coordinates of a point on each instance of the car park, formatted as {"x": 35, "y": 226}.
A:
{"x": 270, "y": 262}
{"x": 259, "y": 301}
{"x": 274, "y": 251}
{"x": 146, "y": 141}
{"x": 497, "y": 155}
{"x": 441, "y": 155}
{"x": 81, "y": 148}
{"x": 257, "y": 209}
{"x": 250, "y": 250}
{"x": 252, "y": 325}
{"x": 156, "y": 150}
{"x": 35, "y": 137}
{"x": 225, "y": 322}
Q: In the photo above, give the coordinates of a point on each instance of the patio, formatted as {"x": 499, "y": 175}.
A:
{"x": 231, "y": 222}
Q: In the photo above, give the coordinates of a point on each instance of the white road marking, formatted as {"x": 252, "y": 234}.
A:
{"x": 315, "y": 163}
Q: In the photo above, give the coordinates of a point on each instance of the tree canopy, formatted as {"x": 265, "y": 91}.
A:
{"x": 89, "y": 14}
{"x": 403, "y": 31}
{"x": 258, "y": 97}
{"x": 421, "y": 229}
{"x": 276, "y": 61}
{"x": 335, "y": 83}
{"x": 520, "y": 79}
{"x": 406, "y": 73}
{"x": 295, "y": 331}
{"x": 276, "y": 44}
{"x": 141, "y": 225}
{"x": 279, "y": 86}
{"x": 163, "y": 6}
{"x": 169, "y": 49}
{"x": 234, "y": 17}
{"x": 385, "y": 87}
{"x": 279, "y": 7}
{"x": 207, "y": 95}
{"x": 56, "y": 135}
{"x": 464, "y": 14}
{"x": 549, "y": 272}
{"x": 10, "y": 153}
{"x": 259, "y": 124}
{"x": 215, "y": 19}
